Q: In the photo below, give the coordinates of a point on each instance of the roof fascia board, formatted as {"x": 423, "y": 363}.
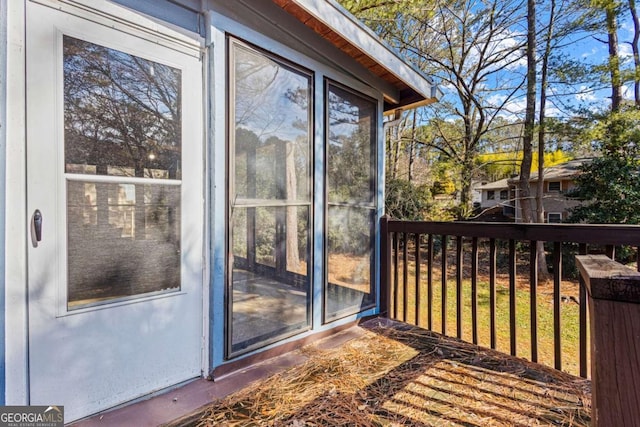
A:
{"x": 343, "y": 23}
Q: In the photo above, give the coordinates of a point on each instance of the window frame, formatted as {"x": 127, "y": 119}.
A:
{"x": 72, "y": 177}
{"x": 491, "y": 195}
{"x": 552, "y": 190}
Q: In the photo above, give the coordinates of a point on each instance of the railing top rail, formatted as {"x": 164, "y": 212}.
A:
{"x": 599, "y": 234}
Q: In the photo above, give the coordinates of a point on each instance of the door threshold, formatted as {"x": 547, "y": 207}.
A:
{"x": 179, "y": 405}
{"x": 180, "y": 401}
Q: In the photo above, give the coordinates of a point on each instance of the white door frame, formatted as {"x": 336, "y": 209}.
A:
{"x": 15, "y": 280}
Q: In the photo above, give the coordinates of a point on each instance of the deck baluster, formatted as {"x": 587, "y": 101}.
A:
{"x": 492, "y": 291}
{"x": 443, "y": 308}
{"x": 405, "y": 276}
{"x": 430, "y": 281}
{"x": 533, "y": 298}
{"x": 512, "y": 297}
{"x": 557, "y": 327}
{"x": 396, "y": 258}
{"x": 474, "y": 289}
{"x": 418, "y": 290}
{"x": 459, "y": 254}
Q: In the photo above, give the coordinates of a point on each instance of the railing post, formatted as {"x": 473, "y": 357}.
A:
{"x": 385, "y": 267}
{"x": 614, "y": 312}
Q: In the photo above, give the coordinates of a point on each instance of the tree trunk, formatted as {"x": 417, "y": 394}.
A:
{"x": 466, "y": 176}
{"x": 636, "y": 52}
{"x": 529, "y": 121}
{"x": 543, "y": 271}
{"x": 395, "y": 141}
{"x": 412, "y": 147}
{"x": 389, "y": 153}
{"x": 614, "y": 57}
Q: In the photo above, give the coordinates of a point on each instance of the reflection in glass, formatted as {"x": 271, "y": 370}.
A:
{"x": 270, "y": 199}
{"x": 350, "y": 248}
{"x": 122, "y": 118}
{"x": 351, "y": 183}
{"x": 270, "y": 283}
{"x": 123, "y": 240}
{"x": 122, "y": 113}
{"x": 271, "y": 110}
{"x": 351, "y": 148}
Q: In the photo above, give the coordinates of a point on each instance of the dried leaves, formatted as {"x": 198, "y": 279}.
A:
{"x": 398, "y": 375}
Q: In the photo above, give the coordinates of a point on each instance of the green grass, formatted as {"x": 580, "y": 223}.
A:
{"x": 569, "y": 317}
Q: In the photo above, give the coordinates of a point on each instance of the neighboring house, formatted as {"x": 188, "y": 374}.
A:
{"x": 496, "y": 201}
{"x": 502, "y": 196}
{"x": 178, "y": 188}
{"x": 557, "y": 182}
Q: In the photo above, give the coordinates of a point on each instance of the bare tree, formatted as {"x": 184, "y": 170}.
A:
{"x": 466, "y": 45}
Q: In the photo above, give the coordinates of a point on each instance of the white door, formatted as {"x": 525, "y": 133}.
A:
{"x": 114, "y": 157}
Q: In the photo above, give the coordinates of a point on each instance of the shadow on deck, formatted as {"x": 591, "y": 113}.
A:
{"x": 398, "y": 374}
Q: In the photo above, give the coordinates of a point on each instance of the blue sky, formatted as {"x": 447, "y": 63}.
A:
{"x": 583, "y": 48}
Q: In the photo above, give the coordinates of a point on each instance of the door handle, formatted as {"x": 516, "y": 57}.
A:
{"x": 36, "y": 226}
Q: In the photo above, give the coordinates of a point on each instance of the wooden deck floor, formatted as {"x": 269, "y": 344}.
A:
{"x": 396, "y": 374}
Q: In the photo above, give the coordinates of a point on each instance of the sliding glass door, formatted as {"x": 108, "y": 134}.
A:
{"x": 269, "y": 208}
{"x": 351, "y": 202}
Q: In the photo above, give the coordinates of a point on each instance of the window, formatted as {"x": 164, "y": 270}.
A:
{"x": 491, "y": 195}
{"x": 351, "y": 201}
{"x": 123, "y": 165}
{"x": 269, "y": 205}
{"x": 554, "y": 217}
{"x": 504, "y": 194}
{"x": 554, "y": 186}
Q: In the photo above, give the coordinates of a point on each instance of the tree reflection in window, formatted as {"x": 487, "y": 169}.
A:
{"x": 350, "y": 161}
{"x": 351, "y": 193}
{"x": 122, "y": 119}
{"x": 270, "y": 198}
{"x": 122, "y": 113}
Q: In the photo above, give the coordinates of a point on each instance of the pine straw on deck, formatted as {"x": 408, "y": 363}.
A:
{"x": 397, "y": 374}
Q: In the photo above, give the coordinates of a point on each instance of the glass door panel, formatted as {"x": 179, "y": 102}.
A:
{"x": 122, "y": 155}
{"x": 351, "y": 202}
{"x": 124, "y": 240}
{"x": 350, "y": 260}
{"x": 270, "y": 199}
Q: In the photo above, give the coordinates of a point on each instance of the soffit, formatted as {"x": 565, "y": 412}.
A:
{"x": 333, "y": 23}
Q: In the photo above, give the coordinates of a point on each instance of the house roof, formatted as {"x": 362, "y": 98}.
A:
{"x": 501, "y": 184}
{"x": 336, "y": 25}
{"x": 566, "y": 170}
{"x": 569, "y": 169}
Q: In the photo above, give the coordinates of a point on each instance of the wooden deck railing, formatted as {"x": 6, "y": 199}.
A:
{"x": 415, "y": 253}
